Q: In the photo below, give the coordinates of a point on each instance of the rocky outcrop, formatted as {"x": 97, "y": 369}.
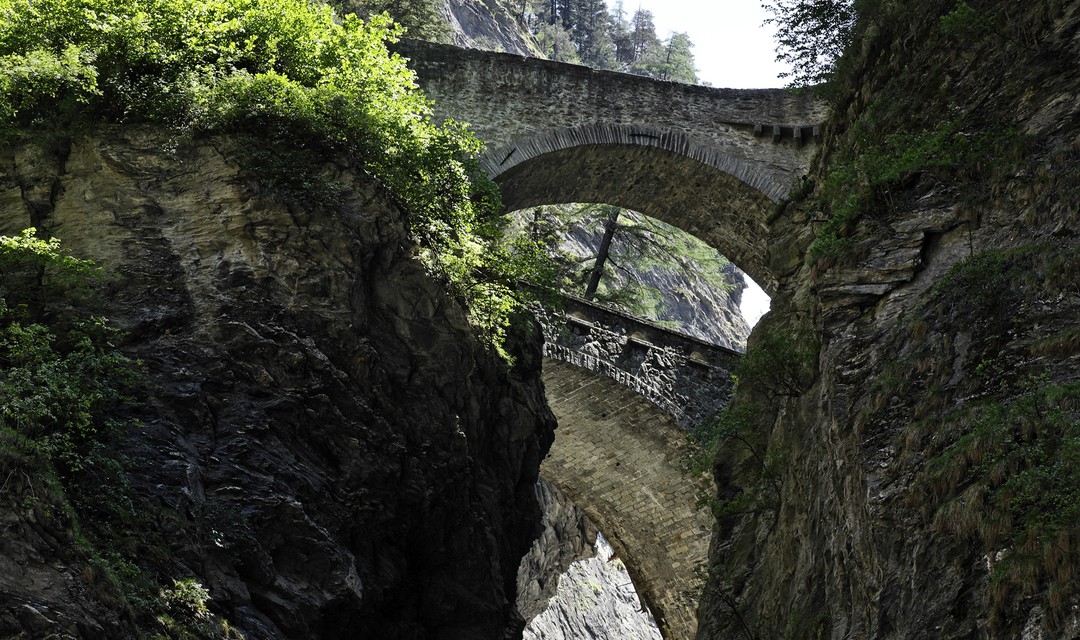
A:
{"x": 567, "y": 537}
{"x": 487, "y": 24}
{"x": 595, "y": 599}
{"x": 326, "y": 447}
{"x": 572, "y": 586}
{"x": 687, "y": 302}
{"x": 912, "y": 497}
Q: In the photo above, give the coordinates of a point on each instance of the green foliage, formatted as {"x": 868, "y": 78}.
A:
{"x": 56, "y": 390}
{"x": 982, "y": 276}
{"x": 40, "y": 86}
{"x": 187, "y": 597}
{"x": 64, "y": 391}
{"x": 963, "y": 21}
{"x": 863, "y": 180}
{"x": 33, "y": 270}
{"x": 1013, "y": 480}
{"x": 289, "y": 73}
{"x": 781, "y": 363}
{"x": 588, "y": 32}
{"x": 643, "y": 244}
{"x": 183, "y": 614}
{"x": 985, "y": 289}
{"x": 811, "y": 36}
{"x": 420, "y": 18}
{"x": 739, "y": 427}
{"x": 672, "y": 60}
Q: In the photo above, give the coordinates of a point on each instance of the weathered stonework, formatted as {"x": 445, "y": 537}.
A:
{"x": 687, "y": 378}
{"x": 621, "y": 460}
{"x": 624, "y": 391}
{"x": 719, "y": 209}
{"x": 709, "y": 161}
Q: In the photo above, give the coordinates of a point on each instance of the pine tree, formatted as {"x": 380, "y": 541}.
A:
{"x": 643, "y": 33}
{"x": 421, "y": 18}
{"x": 680, "y": 59}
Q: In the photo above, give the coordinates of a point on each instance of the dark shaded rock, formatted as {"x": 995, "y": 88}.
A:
{"x": 328, "y": 448}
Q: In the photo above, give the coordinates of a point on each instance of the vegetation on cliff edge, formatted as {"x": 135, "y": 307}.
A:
{"x": 64, "y": 391}
{"x": 289, "y": 73}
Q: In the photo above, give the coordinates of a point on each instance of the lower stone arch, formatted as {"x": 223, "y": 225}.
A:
{"x": 698, "y": 198}
{"x": 621, "y": 459}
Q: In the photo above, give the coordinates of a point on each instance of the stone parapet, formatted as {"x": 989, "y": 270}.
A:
{"x": 687, "y": 378}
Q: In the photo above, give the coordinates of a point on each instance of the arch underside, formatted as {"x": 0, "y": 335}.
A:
{"x": 717, "y": 207}
{"x": 621, "y": 460}
{"x": 763, "y": 165}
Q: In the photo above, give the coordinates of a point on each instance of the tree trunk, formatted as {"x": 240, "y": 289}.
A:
{"x": 602, "y": 255}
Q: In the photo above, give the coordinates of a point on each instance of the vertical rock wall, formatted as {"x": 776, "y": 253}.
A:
{"x": 326, "y": 447}
{"x": 903, "y": 503}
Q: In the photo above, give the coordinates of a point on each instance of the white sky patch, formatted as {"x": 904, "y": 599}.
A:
{"x": 755, "y": 302}
{"x": 732, "y": 47}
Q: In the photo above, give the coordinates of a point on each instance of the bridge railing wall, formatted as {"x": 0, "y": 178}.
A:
{"x": 689, "y": 379}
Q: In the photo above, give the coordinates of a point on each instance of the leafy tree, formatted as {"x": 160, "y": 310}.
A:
{"x": 420, "y": 18}
{"x": 288, "y": 72}
{"x": 60, "y": 376}
{"x": 556, "y": 44}
{"x": 811, "y": 36}
{"x": 673, "y": 61}
{"x": 679, "y": 59}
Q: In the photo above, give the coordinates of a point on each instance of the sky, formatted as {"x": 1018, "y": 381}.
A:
{"x": 732, "y": 49}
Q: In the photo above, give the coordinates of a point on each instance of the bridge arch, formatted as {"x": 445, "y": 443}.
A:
{"x": 701, "y": 198}
{"x": 534, "y": 114}
{"x": 620, "y": 459}
{"x": 500, "y": 159}
{"x": 709, "y": 161}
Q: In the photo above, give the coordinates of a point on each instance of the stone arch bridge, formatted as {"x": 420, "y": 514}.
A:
{"x": 709, "y": 161}
{"x": 624, "y": 392}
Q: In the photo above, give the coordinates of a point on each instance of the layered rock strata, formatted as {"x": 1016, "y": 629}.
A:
{"x": 326, "y": 446}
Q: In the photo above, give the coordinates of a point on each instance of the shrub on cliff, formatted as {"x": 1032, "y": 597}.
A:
{"x": 60, "y": 375}
{"x": 287, "y": 71}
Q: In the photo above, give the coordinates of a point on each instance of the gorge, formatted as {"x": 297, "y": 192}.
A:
{"x": 322, "y": 445}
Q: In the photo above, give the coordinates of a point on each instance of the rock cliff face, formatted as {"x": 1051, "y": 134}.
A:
{"x": 326, "y": 447}
{"x": 487, "y": 24}
{"x": 567, "y": 537}
{"x": 572, "y": 586}
{"x": 922, "y": 489}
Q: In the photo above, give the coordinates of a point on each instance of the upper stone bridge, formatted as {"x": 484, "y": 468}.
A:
{"x": 624, "y": 392}
{"x": 709, "y": 161}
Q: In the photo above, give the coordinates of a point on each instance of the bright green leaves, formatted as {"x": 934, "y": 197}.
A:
{"x": 40, "y": 85}
{"x": 58, "y": 379}
{"x": 286, "y": 74}
{"x": 33, "y": 270}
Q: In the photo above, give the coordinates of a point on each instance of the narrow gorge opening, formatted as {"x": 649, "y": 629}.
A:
{"x": 618, "y": 475}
